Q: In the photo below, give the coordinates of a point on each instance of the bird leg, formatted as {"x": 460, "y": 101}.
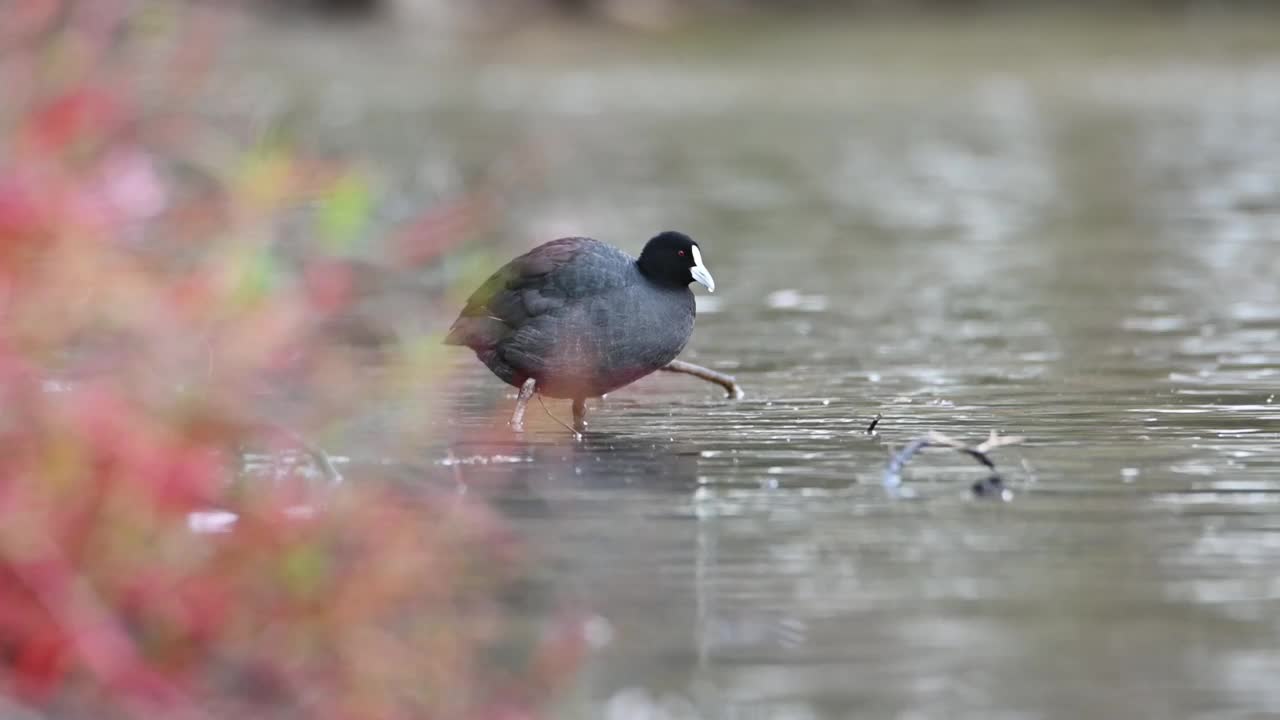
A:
{"x": 727, "y": 382}
{"x": 526, "y": 392}
{"x": 579, "y": 414}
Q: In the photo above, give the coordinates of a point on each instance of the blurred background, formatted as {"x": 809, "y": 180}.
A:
{"x": 240, "y": 476}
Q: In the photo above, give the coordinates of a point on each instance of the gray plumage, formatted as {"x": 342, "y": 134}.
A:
{"x": 580, "y": 317}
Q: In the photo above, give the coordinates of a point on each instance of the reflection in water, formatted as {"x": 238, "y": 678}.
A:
{"x": 1084, "y": 254}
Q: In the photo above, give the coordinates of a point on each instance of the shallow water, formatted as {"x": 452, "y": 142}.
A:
{"x": 1082, "y": 249}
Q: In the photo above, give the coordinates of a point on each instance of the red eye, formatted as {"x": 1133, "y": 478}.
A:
{"x": 680, "y": 253}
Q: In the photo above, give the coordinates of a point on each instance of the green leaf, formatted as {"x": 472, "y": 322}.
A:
{"x": 256, "y": 276}
{"x": 344, "y": 212}
{"x": 304, "y": 570}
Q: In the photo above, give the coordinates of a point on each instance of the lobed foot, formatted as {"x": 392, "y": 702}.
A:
{"x": 731, "y": 387}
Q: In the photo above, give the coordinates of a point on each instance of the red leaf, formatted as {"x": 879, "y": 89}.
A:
{"x": 329, "y": 285}
{"x": 41, "y": 661}
{"x": 24, "y": 225}
{"x": 83, "y": 115}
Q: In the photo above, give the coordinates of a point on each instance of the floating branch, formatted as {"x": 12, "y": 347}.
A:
{"x": 871, "y": 429}
{"x": 981, "y": 453}
{"x": 319, "y": 458}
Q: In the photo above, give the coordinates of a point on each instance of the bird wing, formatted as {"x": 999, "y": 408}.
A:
{"x": 540, "y": 282}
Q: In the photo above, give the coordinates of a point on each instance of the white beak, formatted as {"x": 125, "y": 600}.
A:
{"x": 700, "y": 272}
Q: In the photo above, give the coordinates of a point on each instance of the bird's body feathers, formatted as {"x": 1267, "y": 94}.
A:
{"x": 578, "y": 316}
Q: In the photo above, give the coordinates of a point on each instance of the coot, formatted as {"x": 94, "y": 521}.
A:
{"x": 577, "y": 318}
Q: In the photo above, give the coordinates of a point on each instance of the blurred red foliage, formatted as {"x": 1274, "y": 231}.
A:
{"x": 139, "y": 322}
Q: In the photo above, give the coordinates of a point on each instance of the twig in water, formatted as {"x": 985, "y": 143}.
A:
{"x": 980, "y": 452}
{"x": 318, "y": 456}
{"x": 576, "y": 435}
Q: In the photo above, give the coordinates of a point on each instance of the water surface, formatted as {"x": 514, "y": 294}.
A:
{"x": 1081, "y": 248}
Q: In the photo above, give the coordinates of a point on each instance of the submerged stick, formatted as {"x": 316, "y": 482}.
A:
{"x": 980, "y": 452}
{"x": 315, "y": 453}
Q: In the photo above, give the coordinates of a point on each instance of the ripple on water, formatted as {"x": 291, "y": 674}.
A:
{"x": 1088, "y": 261}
